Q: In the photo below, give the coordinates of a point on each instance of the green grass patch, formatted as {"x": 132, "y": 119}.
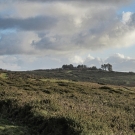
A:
{"x": 55, "y": 80}
{"x": 3, "y": 75}
{"x": 69, "y": 71}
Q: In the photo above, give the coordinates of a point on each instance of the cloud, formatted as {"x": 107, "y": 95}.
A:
{"x": 114, "y": 1}
{"x": 76, "y": 60}
{"x": 29, "y": 62}
{"x": 56, "y": 32}
{"x": 132, "y": 20}
{"x": 118, "y": 61}
{"x": 121, "y": 62}
{"x": 9, "y": 63}
{"x": 91, "y": 61}
{"x": 29, "y": 24}
{"x": 61, "y": 27}
{"x": 17, "y": 43}
{"x": 126, "y": 17}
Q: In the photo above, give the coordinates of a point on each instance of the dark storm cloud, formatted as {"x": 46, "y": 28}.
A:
{"x": 32, "y": 24}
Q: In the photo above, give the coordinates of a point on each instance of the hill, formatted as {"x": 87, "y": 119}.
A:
{"x": 83, "y": 75}
{"x": 67, "y": 102}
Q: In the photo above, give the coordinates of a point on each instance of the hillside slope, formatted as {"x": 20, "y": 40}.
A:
{"x": 33, "y": 105}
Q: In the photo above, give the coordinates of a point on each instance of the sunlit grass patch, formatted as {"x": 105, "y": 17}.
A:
{"x": 3, "y": 75}
{"x": 56, "y": 80}
{"x": 69, "y": 71}
{"x": 50, "y": 80}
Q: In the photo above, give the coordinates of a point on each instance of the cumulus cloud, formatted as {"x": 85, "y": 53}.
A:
{"x": 114, "y": 1}
{"x": 29, "y": 62}
{"x": 29, "y": 24}
{"x": 76, "y": 60}
{"x": 132, "y": 20}
{"x": 91, "y": 61}
{"x": 126, "y": 17}
{"x": 118, "y": 61}
{"x": 60, "y": 28}
{"x": 121, "y": 62}
{"x": 9, "y": 63}
{"x": 17, "y": 43}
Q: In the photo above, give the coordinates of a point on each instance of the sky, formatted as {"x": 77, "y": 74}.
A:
{"x": 46, "y": 34}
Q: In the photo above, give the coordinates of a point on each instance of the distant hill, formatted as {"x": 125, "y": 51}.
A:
{"x": 85, "y": 75}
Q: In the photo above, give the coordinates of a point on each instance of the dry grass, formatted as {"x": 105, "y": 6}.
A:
{"x": 3, "y": 75}
{"x": 66, "y": 107}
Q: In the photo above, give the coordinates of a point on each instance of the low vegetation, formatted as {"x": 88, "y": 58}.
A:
{"x": 10, "y": 128}
{"x": 54, "y": 103}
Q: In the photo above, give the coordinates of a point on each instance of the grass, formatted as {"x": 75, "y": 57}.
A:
{"x": 3, "y": 75}
{"x": 34, "y": 104}
{"x": 55, "y": 80}
{"x": 10, "y": 128}
{"x": 97, "y": 76}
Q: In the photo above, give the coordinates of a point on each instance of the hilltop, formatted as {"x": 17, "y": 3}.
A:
{"x": 83, "y": 75}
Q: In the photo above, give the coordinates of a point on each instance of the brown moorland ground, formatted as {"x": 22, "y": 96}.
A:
{"x": 34, "y": 103}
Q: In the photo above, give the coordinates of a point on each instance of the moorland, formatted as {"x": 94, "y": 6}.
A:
{"x": 67, "y": 102}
